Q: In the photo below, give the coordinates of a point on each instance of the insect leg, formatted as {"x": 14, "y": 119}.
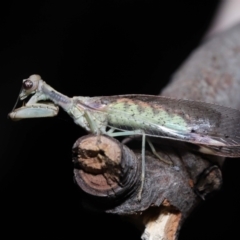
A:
{"x": 143, "y": 167}
{"x": 92, "y": 124}
{"x": 94, "y": 127}
{"x": 36, "y": 110}
{"x": 156, "y": 154}
{"x": 129, "y": 139}
{"x": 111, "y": 130}
{"x": 124, "y": 133}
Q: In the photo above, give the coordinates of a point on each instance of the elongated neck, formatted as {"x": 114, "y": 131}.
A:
{"x": 58, "y": 98}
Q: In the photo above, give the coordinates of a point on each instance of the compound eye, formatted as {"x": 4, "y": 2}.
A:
{"x": 27, "y": 84}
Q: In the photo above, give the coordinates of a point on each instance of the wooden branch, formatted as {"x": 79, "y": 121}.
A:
{"x": 110, "y": 176}
{"x": 105, "y": 168}
{"x": 211, "y": 73}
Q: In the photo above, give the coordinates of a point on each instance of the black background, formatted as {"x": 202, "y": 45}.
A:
{"x": 90, "y": 48}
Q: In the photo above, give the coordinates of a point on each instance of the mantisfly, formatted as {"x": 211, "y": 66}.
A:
{"x": 215, "y": 129}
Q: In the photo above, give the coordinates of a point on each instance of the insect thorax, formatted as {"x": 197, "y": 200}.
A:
{"x": 92, "y": 119}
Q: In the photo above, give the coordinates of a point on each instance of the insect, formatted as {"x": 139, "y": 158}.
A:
{"x": 215, "y": 129}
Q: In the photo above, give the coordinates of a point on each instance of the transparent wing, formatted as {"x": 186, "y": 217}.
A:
{"x": 231, "y": 151}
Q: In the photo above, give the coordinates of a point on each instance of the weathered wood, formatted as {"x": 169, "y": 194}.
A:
{"x": 169, "y": 192}
{"x": 105, "y": 168}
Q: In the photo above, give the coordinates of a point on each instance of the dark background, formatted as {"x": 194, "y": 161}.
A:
{"x": 88, "y": 49}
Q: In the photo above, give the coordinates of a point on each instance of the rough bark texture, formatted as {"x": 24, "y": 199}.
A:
{"x": 211, "y": 73}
